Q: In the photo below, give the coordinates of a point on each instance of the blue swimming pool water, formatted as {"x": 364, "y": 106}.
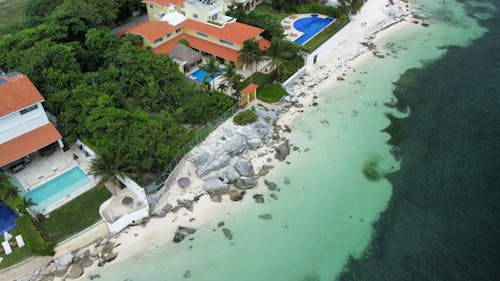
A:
{"x": 310, "y": 26}
{"x": 7, "y": 218}
{"x": 58, "y": 188}
{"x": 200, "y": 73}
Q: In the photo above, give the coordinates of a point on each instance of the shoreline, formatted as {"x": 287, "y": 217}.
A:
{"x": 347, "y": 55}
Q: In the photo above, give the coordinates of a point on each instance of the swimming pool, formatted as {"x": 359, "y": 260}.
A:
{"x": 200, "y": 73}
{"x": 7, "y": 218}
{"x": 54, "y": 190}
{"x": 311, "y": 26}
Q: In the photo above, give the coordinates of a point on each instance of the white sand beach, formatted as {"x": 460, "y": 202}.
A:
{"x": 372, "y": 23}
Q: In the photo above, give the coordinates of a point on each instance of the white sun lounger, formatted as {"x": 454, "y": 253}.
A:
{"x": 20, "y": 241}
{"x": 6, "y": 247}
{"x": 62, "y": 165}
{"x": 47, "y": 172}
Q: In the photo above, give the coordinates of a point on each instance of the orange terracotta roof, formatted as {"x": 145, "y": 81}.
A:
{"x": 199, "y": 44}
{"x": 234, "y": 32}
{"x": 249, "y": 89}
{"x": 28, "y": 143}
{"x": 165, "y": 2}
{"x": 151, "y": 30}
{"x": 168, "y": 46}
{"x": 264, "y": 44}
{"x": 16, "y": 93}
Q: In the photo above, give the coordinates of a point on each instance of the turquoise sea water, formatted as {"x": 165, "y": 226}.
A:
{"x": 57, "y": 188}
{"x": 326, "y": 206}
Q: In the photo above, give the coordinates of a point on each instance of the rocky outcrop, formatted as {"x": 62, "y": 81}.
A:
{"x": 259, "y": 198}
{"x": 244, "y": 168}
{"x": 231, "y": 140}
{"x": 182, "y": 232}
{"x": 215, "y": 186}
{"x": 246, "y": 183}
{"x": 230, "y": 175}
{"x": 75, "y": 271}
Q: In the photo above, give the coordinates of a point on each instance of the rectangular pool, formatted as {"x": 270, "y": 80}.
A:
{"x": 58, "y": 188}
{"x": 200, "y": 73}
{"x": 311, "y": 26}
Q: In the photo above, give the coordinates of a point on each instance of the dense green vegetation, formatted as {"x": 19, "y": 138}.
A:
{"x": 11, "y": 16}
{"x": 104, "y": 89}
{"x": 245, "y": 117}
{"x": 74, "y": 216}
{"x": 271, "y": 93}
{"x": 33, "y": 238}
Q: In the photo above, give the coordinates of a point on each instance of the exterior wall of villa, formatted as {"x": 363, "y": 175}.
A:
{"x": 196, "y": 10}
{"x": 154, "y": 9}
{"x": 22, "y": 121}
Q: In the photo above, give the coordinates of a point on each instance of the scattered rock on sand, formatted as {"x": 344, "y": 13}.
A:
{"x": 95, "y": 276}
{"x": 227, "y": 233}
{"x": 282, "y": 151}
{"x": 265, "y": 217}
{"x": 264, "y": 170}
{"x": 75, "y": 271}
{"x": 220, "y": 224}
{"x": 235, "y": 195}
{"x": 246, "y": 183}
{"x": 259, "y": 198}
{"x": 270, "y": 185}
{"x": 340, "y": 78}
{"x": 274, "y": 196}
{"x": 187, "y": 274}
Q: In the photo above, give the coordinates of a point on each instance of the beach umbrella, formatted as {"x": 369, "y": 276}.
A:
{"x": 7, "y": 236}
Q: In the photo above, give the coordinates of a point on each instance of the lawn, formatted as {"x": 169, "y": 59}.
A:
{"x": 18, "y": 254}
{"x": 76, "y": 215}
{"x": 11, "y": 14}
{"x": 271, "y": 93}
{"x": 258, "y": 78}
{"x": 265, "y": 9}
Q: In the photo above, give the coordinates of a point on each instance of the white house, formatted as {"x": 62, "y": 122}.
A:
{"x": 24, "y": 126}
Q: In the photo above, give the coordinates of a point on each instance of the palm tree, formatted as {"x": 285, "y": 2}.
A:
{"x": 222, "y": 87}
{"x": 231, "y": 77}
{"x": 250, "y": 54}
{"x": 109, "y": 165}
{"x": 212, "y": 68}
{"x": 275, "y": 53}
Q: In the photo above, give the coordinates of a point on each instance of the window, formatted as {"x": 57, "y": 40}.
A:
{"x": 226, "y": 42}
{"x": 158, "y": 40}
{"x": 195, "y": 16}
{"x": 28, "y": 109}
{"x": 202, "y": 34}
{"x": 213, "y": 17}
{"x": 178, "y": 30}
{"x": 151, "y": 6}
{"x": 168, "y": 35}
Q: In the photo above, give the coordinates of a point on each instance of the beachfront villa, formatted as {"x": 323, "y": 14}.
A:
{"x": 24, "y": 125}
{"x": 200, "y": 25}
{"x": 32, "y": 153}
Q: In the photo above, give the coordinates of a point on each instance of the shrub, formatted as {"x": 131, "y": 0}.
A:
{"x": 271, "y": 93}
{"x": 33, "y": 238}
{"x": 245, "y": 117}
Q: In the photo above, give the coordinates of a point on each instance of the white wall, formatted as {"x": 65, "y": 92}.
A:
{"x": 16, "y": 124}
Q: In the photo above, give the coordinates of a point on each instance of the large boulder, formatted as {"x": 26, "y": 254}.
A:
{"x": 244, "y": 168}
{"x": 246, "y": 183}
{"x": 62, "y": 264}
{"x": 235, "y": 145}
{"x": 254, "y": 142}
{"x": 230, "y": 175}
{"x": 75, "y": 271}
{"x": 208, "y": 159}
{"x": 215, "y": 186}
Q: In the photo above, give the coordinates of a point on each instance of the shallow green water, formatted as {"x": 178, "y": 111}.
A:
{"x": 326, "y": 205}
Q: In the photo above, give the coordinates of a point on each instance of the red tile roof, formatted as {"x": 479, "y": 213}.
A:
{"x": 16, "y": 93}
{"x": 234, "y": 32}
{"x": 28, "y": 143}
{"x": 165, "y": 2}
{"x": 249, "y": 89}
{"x": 199, "y": 44}
{"x": 152, "y": 30}
{"x": 264, "y": 44}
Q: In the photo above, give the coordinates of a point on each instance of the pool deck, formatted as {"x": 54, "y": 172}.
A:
{"x": 291, "y": 34}
{"x": 45, "y": 168}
